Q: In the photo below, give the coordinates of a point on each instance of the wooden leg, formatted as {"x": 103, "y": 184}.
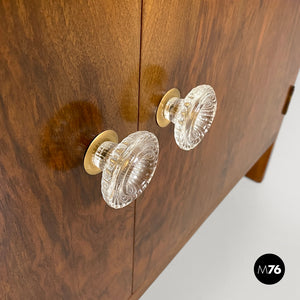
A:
{"x": 257, "y": 172}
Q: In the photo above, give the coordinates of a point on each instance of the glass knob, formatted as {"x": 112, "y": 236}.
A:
{"x": 127, "y": 167}
{"x": 192, "y": 116}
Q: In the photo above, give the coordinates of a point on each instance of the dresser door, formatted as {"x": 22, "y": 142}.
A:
{"x": 68, "y": 70}
{"x": 248, "y": 51}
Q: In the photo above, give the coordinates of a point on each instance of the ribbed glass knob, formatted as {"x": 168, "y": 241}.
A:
{"x": 192, "y": 116}
{"x": 127, "y": 167}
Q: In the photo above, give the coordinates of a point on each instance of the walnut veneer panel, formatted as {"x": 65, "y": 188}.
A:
{"x": 68, "y": 70}
{"x": 249, "y": 52}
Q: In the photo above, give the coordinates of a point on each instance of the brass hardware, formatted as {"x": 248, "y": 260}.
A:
{"x": 160, "y": 119}
{"x": 105, "y": 136}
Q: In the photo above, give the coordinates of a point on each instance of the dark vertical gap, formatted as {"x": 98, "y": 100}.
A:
{"x": 138, "y": 127}
{"x": 288, "y": 99}
{"x": 140, "y": 68}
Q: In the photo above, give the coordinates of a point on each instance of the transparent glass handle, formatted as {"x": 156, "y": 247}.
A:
{"x": 127, "y": 167}
{"x": 192, "y": 116}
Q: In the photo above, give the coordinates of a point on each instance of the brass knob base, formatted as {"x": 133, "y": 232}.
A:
{"x": 160, "y": 119}
{"x": 105, "y": 136}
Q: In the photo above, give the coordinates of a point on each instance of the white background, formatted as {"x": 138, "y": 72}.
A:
{"x": 254, "y": 219}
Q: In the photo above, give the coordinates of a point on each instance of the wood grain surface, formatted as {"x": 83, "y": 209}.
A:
{"x": 68, "y": 70}
{"x": 248, "y": 51}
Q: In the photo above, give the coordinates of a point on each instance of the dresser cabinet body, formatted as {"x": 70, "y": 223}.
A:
{"x": 69, "y": 70}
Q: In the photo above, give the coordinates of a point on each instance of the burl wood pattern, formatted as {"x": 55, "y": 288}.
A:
{"x": 68, "y": 70}
{"x": 248, "y": 51}
{"x": 258, "y": 170}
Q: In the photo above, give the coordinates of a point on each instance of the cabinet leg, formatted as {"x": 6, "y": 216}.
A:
{"x": 257, "y": 172}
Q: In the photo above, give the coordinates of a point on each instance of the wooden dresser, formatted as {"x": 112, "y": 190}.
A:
{"x": 71, "y": 69}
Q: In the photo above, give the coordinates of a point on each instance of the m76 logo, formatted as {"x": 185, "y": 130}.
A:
{"x": 269, "y": 269}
